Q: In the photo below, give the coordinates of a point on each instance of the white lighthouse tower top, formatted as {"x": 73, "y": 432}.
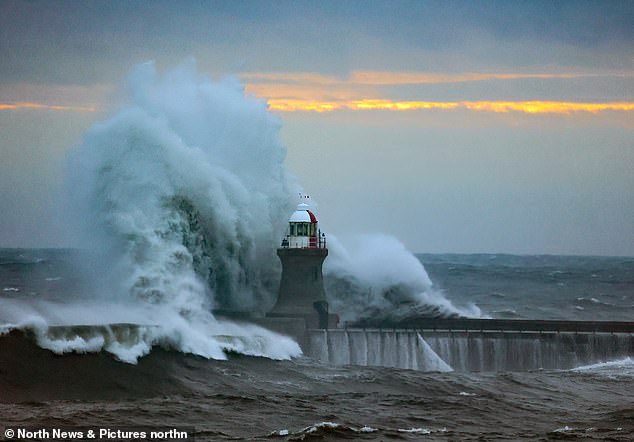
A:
{"x": 303, "y": 215}
{"x": 303, "y": 232}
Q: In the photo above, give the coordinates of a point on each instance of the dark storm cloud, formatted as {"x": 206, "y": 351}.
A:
{"x": 77, "y": 42}
{"x": 85, "y": 42}
{"x": 445, "y": 23}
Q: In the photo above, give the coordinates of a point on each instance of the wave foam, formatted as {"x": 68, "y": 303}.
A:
{"x": 620, "y": 364}
{"x": 181, "y": 197}
{"x": 375, "y": 276}
{"x": 324, "y": 429}
{"x": 130, "y": 331}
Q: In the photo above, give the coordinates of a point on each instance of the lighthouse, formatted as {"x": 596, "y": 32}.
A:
{"x": 302, "y": 253}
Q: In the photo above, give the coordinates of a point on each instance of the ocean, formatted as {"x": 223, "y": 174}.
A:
{"x": 538, "y": 286}
{"x": 255, "y": 397}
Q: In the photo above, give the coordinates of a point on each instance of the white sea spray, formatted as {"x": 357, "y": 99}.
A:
{"x": 180, "y": 199}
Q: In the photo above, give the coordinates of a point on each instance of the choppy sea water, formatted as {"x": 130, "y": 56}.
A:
{"x": 538, "y": 287}
{"x": 249, "y": 398}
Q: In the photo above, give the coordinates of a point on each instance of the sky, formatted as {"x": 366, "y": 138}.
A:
{"x": 460, "y": 127}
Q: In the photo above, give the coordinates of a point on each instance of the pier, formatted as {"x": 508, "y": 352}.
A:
{"x": 475, "y": 344}
{"x": 503, "y": 325}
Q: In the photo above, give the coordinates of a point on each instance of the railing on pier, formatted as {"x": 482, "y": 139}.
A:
{"x": 511, "y": 325}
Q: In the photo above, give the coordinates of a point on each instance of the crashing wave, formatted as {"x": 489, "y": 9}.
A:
{"x": 375, "y": 279}
{"x": 181, "y": 198}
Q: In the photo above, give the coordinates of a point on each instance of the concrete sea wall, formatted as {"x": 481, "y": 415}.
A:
{"x": 431, "y": 350}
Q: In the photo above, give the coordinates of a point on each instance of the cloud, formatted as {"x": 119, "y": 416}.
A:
{"x": 85, "y": 42}
{"x": 42, "y": 106}
{"x": 527, "y": 107}
{"x": 55, "y": 97}
{"x": 403, "y": 78}
{"x": 399, "y": 91}
{"x": 384, "y": 78}
{"x": 364, "y": 91}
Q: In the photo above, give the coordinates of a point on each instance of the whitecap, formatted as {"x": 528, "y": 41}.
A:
{"x": 616, "y": 364}
{"x": 564, "y": 429}
{"x": 314, "y": 428}
{"x": 366, "y": 429}
{"x": 415, "y": 430}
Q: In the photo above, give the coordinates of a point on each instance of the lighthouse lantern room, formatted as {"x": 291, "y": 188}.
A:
{"x": 303, "y": 231}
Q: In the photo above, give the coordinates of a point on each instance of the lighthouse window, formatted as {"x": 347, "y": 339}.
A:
{"x": 302, "y": 229}
{"x": 293, "y": 229}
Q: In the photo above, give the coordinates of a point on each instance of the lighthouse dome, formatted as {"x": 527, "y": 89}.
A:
{"x": 303, "y": 215}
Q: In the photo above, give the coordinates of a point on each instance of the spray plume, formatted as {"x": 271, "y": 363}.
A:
{"x": 182, "y": 197}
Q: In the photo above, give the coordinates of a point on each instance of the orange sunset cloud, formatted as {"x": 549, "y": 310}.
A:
{"x": 362, "y": 91}
{"x": 528, "y": 107}
{"x": 29, "y": 105}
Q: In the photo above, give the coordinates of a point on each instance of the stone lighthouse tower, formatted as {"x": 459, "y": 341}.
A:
{"x": 302, "y": 253}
